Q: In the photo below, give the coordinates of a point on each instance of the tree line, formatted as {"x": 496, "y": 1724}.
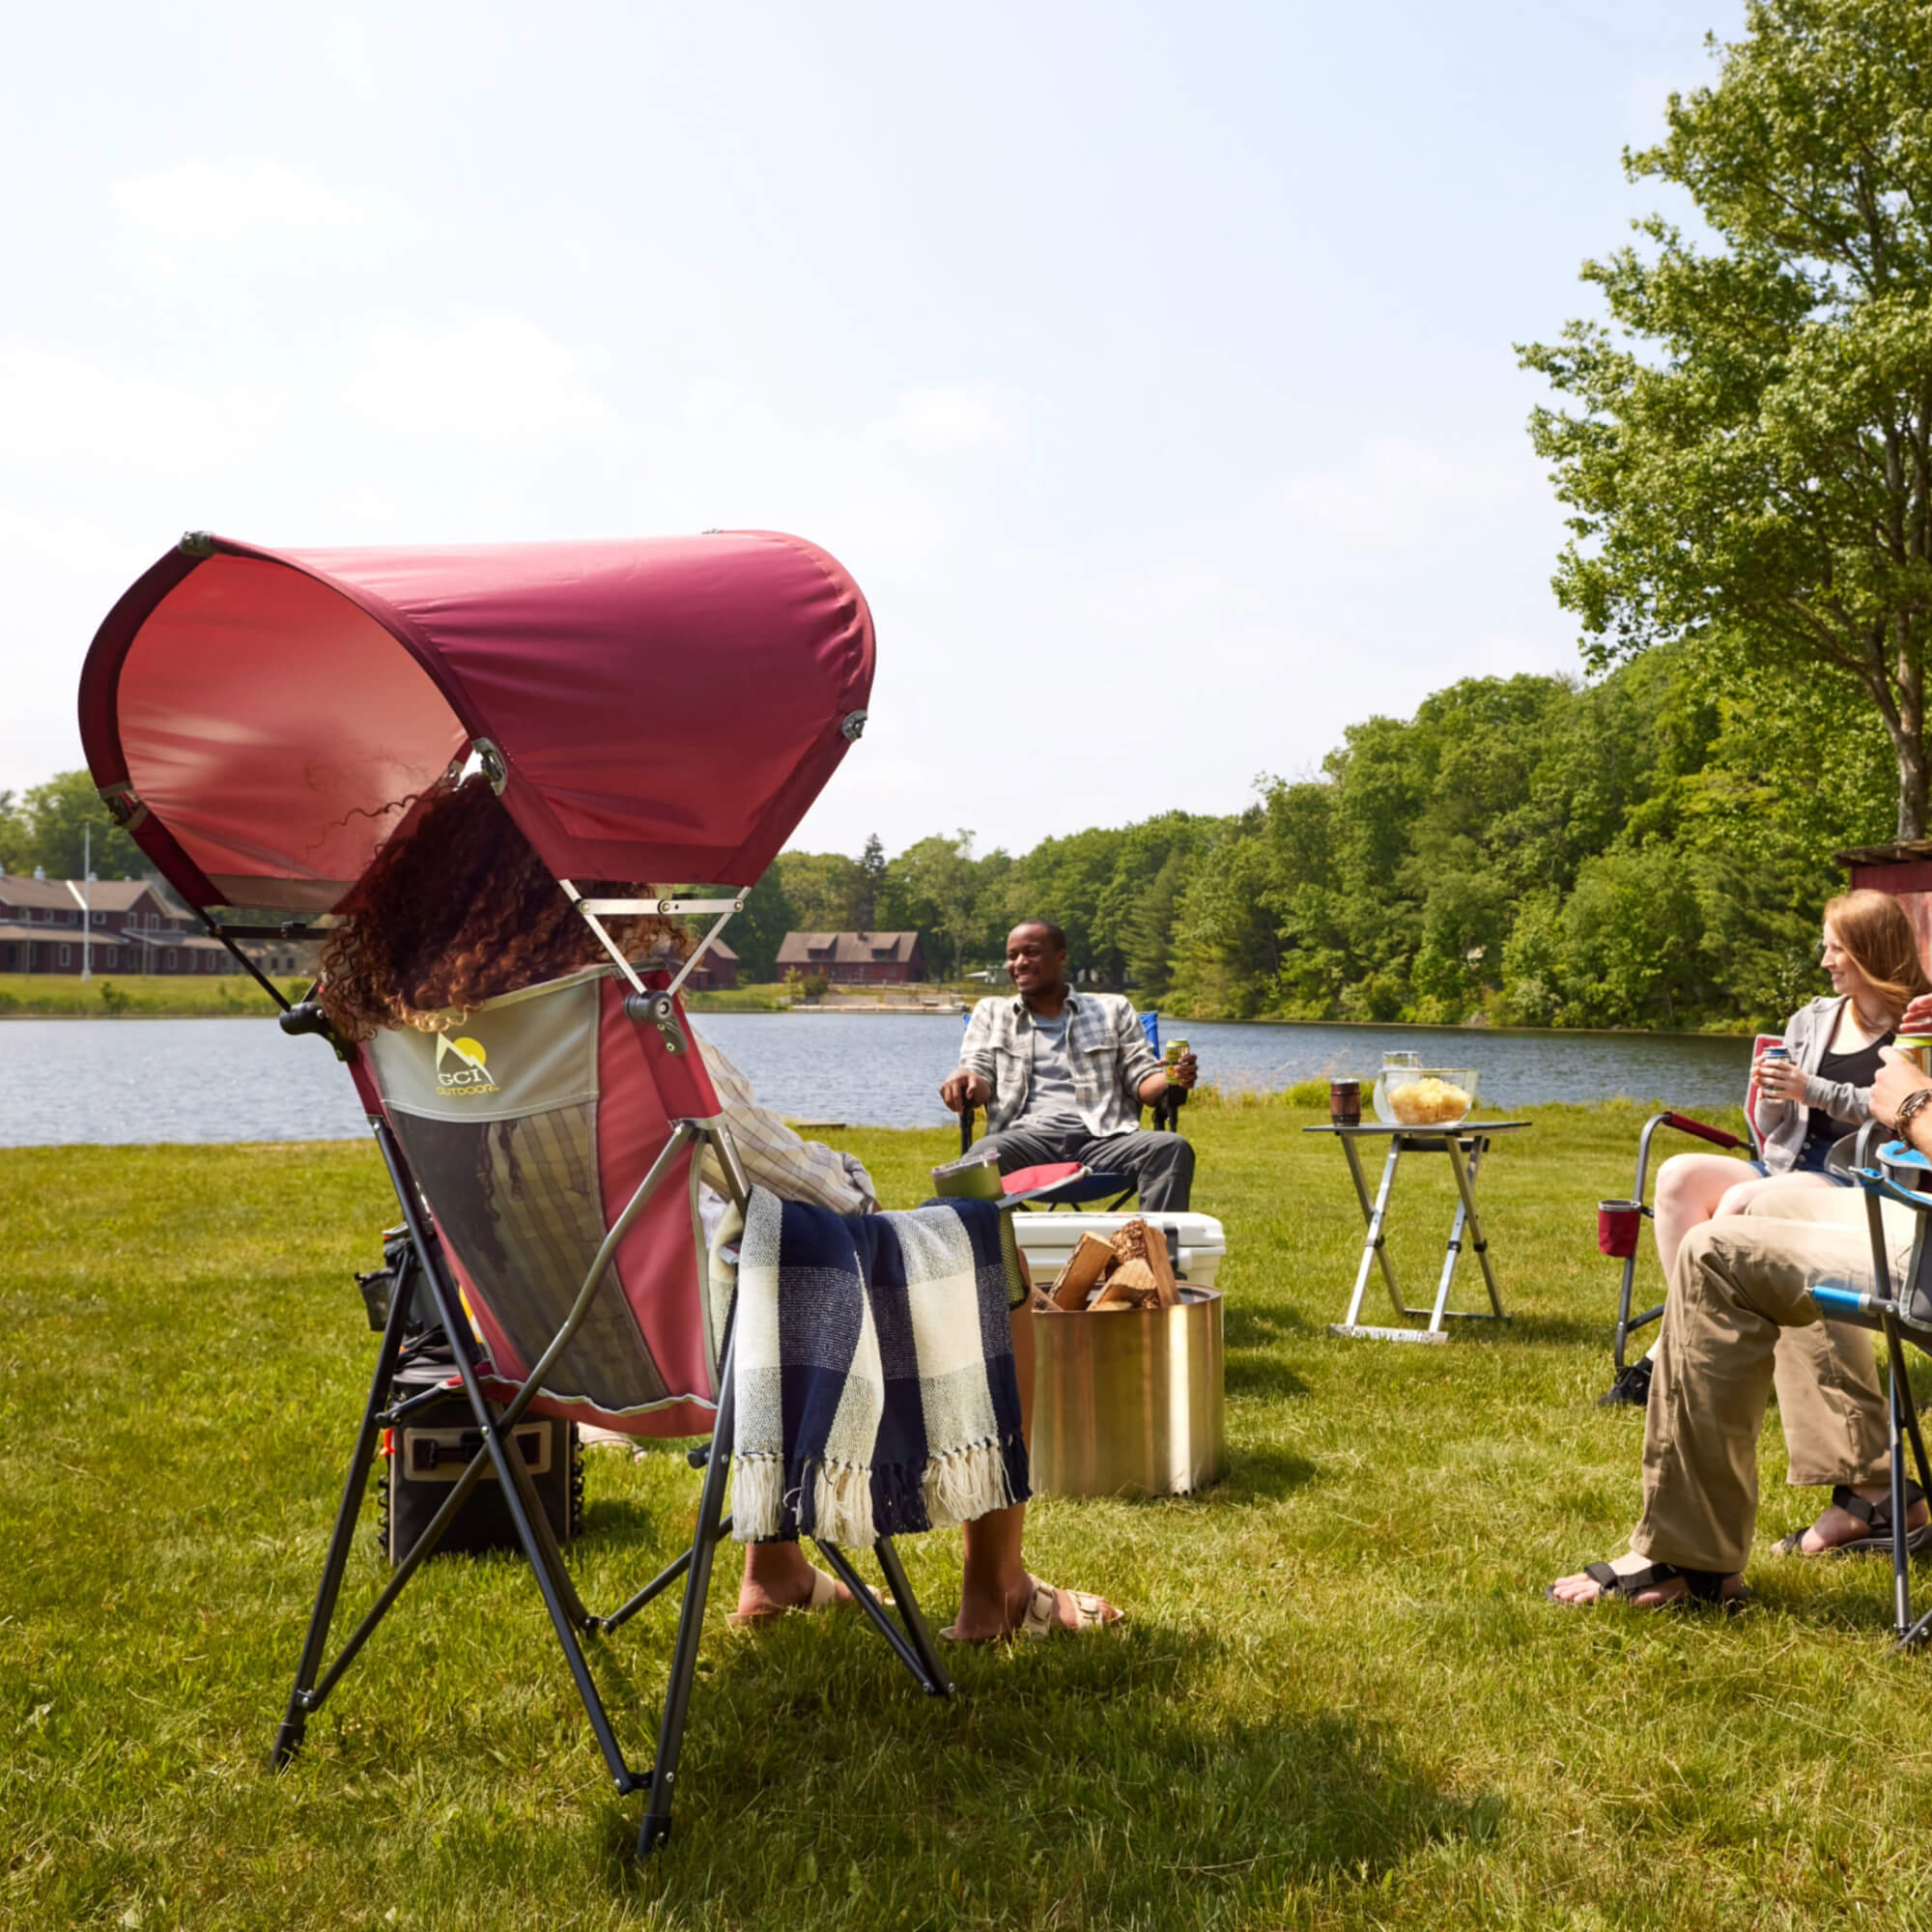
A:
{"x": 1650, "y": 849}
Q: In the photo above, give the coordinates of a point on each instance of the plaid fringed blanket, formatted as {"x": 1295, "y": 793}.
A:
{"x": 873, "y": 1376}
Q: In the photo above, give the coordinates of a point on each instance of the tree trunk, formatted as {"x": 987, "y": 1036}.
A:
{"x": 1910, "y": 748}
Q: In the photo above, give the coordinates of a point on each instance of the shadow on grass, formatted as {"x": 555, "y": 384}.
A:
{"x": 1250, "y": 1372}
{"x": 1262, "y": 1327}
{"x": 1569, "y": 1332}
{"x": 1104, "y": 1780}
{"x": 1263, "y": 1475}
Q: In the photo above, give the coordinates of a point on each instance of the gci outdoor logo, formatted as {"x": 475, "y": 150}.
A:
{"x": 461, "y": 1072}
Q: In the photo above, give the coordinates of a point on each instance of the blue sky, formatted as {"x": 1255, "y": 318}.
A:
{"x": 1149, "y": 367}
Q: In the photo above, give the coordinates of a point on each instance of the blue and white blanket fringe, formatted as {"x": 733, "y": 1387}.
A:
{"x": 874, "y": 1373}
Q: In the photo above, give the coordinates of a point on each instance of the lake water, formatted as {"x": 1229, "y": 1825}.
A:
{"x": 117, "y": 1081}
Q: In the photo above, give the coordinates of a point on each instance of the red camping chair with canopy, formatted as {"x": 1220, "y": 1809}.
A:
{"x": 260, "y": 721}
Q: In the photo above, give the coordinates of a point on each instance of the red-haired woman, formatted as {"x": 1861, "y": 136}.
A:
{"x": 1811, "y": 1100}
{"x": 456, "y": 909}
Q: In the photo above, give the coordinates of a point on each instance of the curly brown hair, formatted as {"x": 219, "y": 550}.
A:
{"x": 457, "y": 909}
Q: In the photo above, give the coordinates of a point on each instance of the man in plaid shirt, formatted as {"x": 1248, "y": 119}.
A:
{"x": 1063, "y": 1076}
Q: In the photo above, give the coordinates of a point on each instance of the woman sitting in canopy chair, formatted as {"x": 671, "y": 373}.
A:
{"x": 458, "y": 909}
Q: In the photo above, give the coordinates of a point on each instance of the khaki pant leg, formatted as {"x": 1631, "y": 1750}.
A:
{"x": 1829, "y": 1395}
{"x": 1738, "y": 1280}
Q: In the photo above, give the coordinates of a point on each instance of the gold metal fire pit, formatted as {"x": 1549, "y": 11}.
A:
{"x": 1129, "y": 1403}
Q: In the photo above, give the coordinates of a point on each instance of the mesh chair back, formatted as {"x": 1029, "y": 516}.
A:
{"x": 529, "y": 1127}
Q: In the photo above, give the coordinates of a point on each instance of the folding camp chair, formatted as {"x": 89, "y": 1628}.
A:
{"x": 1072, "y": 1185}
{"x": 1620, "y": 1223}
{"x": 259, "y": 722}
{"x": 1901, "y": 1312}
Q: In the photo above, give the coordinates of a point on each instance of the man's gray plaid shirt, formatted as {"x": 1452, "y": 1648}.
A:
{"x": 1106, "y": 1050}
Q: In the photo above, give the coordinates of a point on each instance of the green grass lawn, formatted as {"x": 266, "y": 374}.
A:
{"x": 139, "y": 995}
{"x": 1341, "y": 1699}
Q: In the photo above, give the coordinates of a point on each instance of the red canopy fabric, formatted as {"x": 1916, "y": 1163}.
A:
{"x": 666, "y": 708}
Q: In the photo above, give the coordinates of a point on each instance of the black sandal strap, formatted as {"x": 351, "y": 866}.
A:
{"x": 1875, "y": 1516}
{"x": 1706, "y": 1585}
{"x": 1614, "y": 1582}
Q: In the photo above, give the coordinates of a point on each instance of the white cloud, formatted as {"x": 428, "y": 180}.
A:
{"x": 498, "y": 376}
{"x": 201, "y": 202}
{"x": 954, "y": 417}
{"x": 65, "y": 542}
{"x": 1400, "y": 491}
{"x": 55, "y": 407}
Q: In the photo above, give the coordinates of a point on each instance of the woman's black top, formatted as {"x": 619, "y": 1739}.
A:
{"x": 1858, "y": 1068}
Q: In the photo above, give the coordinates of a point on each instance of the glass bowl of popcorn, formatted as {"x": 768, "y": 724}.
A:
{"x": 1411, "y": 1094}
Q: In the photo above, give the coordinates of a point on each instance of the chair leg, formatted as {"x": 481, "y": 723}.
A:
{"x": 937, "y": 1683}
{"x": 922, "y": 1663}
{"x": 295, "y": 1718}
{"x": 1899, "y": 1397}
{"x": 663, "y": 1776}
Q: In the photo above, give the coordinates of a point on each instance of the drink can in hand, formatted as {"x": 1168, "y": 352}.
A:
{"x": 1916, "y": 1048}
{"x": 1177, "y": 1052}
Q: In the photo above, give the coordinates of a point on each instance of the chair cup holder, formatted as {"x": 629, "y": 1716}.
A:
{"x": 1619, "y": 1226}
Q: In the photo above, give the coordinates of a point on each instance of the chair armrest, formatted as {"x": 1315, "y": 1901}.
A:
{"x": 1701, "y": 1131}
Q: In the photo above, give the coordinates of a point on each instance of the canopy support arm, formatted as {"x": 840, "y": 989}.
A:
{"x": 261, "y": 979}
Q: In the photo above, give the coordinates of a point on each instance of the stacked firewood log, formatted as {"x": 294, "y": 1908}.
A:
{"x": 1131, "y": 1270}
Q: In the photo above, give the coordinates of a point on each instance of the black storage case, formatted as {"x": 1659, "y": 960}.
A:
{"x": 429, "y": 1448}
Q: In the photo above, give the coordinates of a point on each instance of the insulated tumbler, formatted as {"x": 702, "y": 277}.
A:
{"x": 1619, "y": 1223}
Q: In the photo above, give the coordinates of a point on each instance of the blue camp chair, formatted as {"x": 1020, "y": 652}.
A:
{"x": 1088, "y": 1186}
{"x": 1901, "y": 1314}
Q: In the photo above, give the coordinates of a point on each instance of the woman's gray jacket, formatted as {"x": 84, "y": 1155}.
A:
{"x": 1783, "y": 1123}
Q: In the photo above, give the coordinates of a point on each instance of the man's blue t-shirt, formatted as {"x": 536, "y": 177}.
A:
{"x": 1052, "y": 1105}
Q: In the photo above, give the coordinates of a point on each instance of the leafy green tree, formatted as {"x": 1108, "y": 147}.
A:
{"x": 49, "y": 828}
{"x": 13, "y": 835}
{"x": 1751, "y": 447}
{"x": 870, "y": 882}
{"x": 757, "y": 932}
{"x": 822, "y": 890}
{"x": 938, "y": 885}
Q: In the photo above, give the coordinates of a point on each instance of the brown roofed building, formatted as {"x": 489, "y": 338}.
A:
{"x": 718, "y": 968}
{"x": 131, "y": 926}
{"x": 855, "y": 958}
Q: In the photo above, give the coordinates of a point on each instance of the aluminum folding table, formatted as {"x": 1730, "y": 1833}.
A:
{"x": 1465, "y": 1145}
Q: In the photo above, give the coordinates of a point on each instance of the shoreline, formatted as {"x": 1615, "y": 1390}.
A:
{"x": 91, "y": 1016}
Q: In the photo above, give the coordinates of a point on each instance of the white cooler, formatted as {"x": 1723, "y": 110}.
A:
{"x": 1047, "y": 1240}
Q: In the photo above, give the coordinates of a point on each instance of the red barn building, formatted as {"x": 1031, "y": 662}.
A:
{"x": 717, "y": 969}
{"x": 127, "y": 925}
{"x": 855, "y": 958}
{"x": 1905, "y": 871}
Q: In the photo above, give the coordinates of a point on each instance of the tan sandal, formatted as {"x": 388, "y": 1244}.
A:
{"x": 824, "y": 1594}
{"x": 1042, "y": 1616}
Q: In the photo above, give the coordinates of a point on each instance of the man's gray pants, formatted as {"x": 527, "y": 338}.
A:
{"x": 1161, "y": 1165}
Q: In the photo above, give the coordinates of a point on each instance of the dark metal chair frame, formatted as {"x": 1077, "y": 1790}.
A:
{"x": 910, "y": 1641}
{"x": 1900, "y": 1315}
{"x": 1703, "y": 1130}
{"x": 1682, "y": 1124}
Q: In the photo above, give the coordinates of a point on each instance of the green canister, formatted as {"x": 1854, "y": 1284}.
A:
{"x": 1916, "y": 1048}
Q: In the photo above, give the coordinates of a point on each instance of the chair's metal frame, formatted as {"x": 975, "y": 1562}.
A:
{"x": 1703, "y": 1130}
{"x": 315, "y": 1679}
{"x": 1900, "y": 1318}
{"x": 1682, "y": 1124}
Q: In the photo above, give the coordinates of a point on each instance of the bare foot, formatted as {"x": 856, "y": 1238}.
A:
{"x": 1837, "y": 1527}
{"x": 776, "y": 1585}
{"x": 1583, "y": 1588}
{"x": 1029, "y": 1606}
